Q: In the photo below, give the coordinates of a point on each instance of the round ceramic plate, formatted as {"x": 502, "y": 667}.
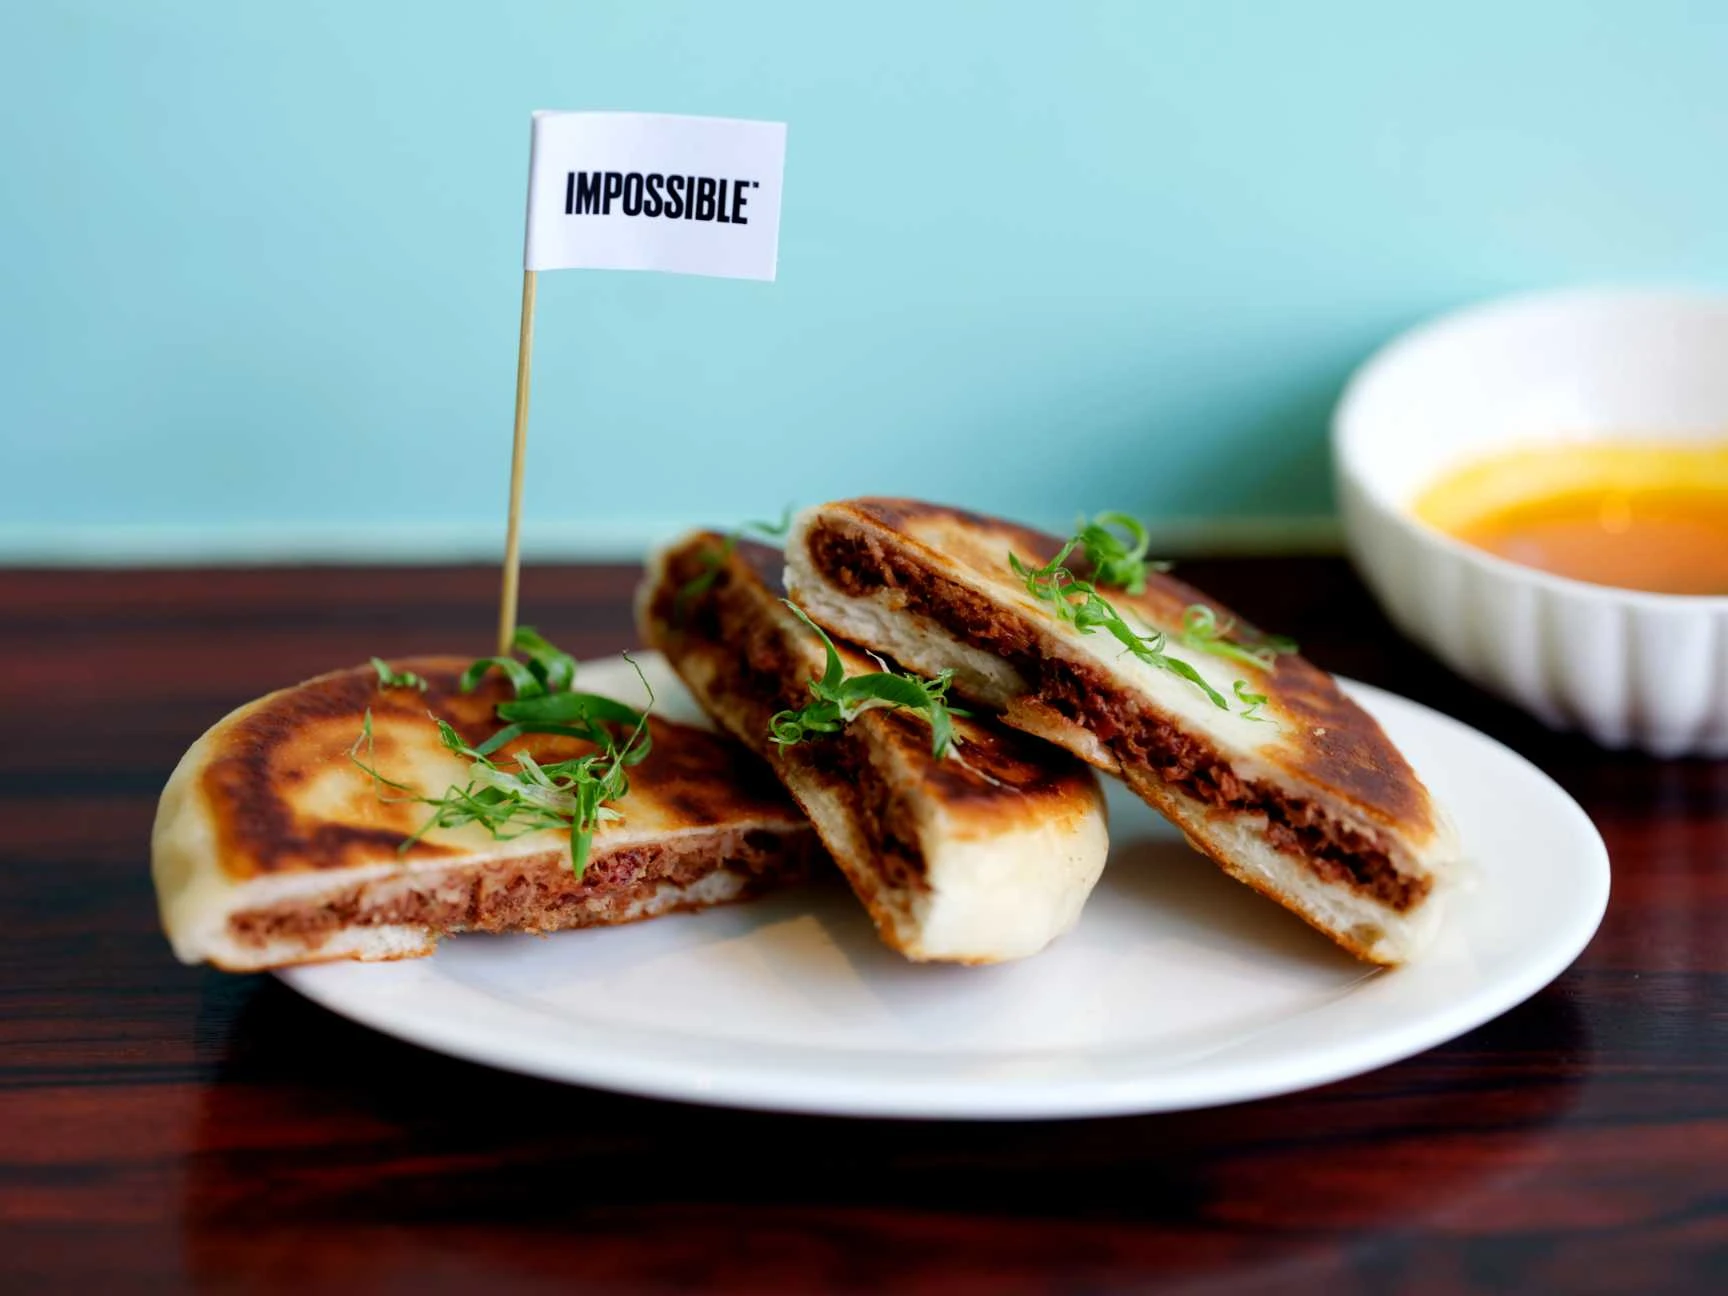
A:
{"x": 1179, "y": 988}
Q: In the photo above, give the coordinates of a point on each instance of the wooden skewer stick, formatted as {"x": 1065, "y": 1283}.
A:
{"x": 518, "y": 454}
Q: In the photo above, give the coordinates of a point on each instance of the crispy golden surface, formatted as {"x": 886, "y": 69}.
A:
{"x": 284, "y": 796}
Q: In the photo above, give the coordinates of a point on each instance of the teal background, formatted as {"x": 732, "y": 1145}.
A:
{"x": 259, "y": 264}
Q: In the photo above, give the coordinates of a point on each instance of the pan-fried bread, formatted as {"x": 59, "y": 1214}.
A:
{"x": 1310, "y": 803}
{"x": 272, "y": 847}
{"x": 983, "y": 856}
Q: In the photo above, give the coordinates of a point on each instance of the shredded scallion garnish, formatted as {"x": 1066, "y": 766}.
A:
{"x": 838, "y": 699}
{"x": 389, "y": 677}
{"x": 575, "y": 794}
{"x": 1115, "y": 561}
{"x": 1079, "y": 603}
{"x": 1203, "y": 629}
{"x": 1251, "y": 702}
{"x": 1122, "y": 563}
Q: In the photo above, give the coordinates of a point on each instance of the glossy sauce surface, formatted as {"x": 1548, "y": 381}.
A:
{"x": 1637, "y": 515}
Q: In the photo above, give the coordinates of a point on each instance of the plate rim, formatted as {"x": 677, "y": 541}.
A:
{"x": 741, "y": 1083}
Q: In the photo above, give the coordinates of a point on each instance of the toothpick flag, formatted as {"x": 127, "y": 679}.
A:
{"x": 639, "y": 191}
{"x": 643, "y": 191}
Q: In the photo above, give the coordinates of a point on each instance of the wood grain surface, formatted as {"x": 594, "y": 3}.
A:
{"x": 166, "y": 1128}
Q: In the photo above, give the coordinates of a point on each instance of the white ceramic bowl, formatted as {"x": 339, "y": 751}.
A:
{"x": 1628, "y": 668}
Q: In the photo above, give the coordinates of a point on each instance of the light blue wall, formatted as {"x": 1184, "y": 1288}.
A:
{"x": 259, "y": 263}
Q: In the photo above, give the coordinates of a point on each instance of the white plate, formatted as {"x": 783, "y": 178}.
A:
{"x": 1179, "y": 988}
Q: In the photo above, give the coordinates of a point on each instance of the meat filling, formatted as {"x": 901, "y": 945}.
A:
{"x": 858, "y": 567}
{"x": 535, "y": 893}
{"x": 841, "y": 761}
{"x": 759, "y": 672}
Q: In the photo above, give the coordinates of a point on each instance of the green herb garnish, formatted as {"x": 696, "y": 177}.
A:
{"x": 1202, "y": 629}
{"x": 389, "y": 678}
{"x": 1251, "y": 703}
{"x": 548, "y": 669}
{"x": 838, "y": 699}
{"x": 545, "y": 702}
{"x": 1115, "y": 561}
{"x": 714, "y": 561}
{"x": 1079, "y": 603}
{"x": 575, "y": 794}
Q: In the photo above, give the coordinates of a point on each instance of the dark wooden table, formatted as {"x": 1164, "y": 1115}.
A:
{"x": 165, "y": 1127}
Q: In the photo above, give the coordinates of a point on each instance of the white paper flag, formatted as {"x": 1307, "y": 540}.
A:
{"x": 648, "y": 191}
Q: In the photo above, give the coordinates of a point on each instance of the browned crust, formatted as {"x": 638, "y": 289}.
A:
{"x": 746, "y": 629}
{"x": 761, "y": 666}
{"x": 260, "y": 757}
{"x": 736, "y": 628}
{"x": 1333, "y": 744}
{"x": 537, "y": 893}
{"x": 762, "y": 660}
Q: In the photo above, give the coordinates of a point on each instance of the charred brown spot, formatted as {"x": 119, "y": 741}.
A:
{"x": 265, "y": 754}
{"x": 1352, "y": 755}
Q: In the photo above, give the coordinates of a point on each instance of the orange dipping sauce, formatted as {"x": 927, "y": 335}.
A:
{"x": 1637, "y": 515}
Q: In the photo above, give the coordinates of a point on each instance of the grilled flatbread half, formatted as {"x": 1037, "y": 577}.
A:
{"x": 1304, "y": 798}
{"x": 273, "y": 847}
{"x": 983, "y": 855}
